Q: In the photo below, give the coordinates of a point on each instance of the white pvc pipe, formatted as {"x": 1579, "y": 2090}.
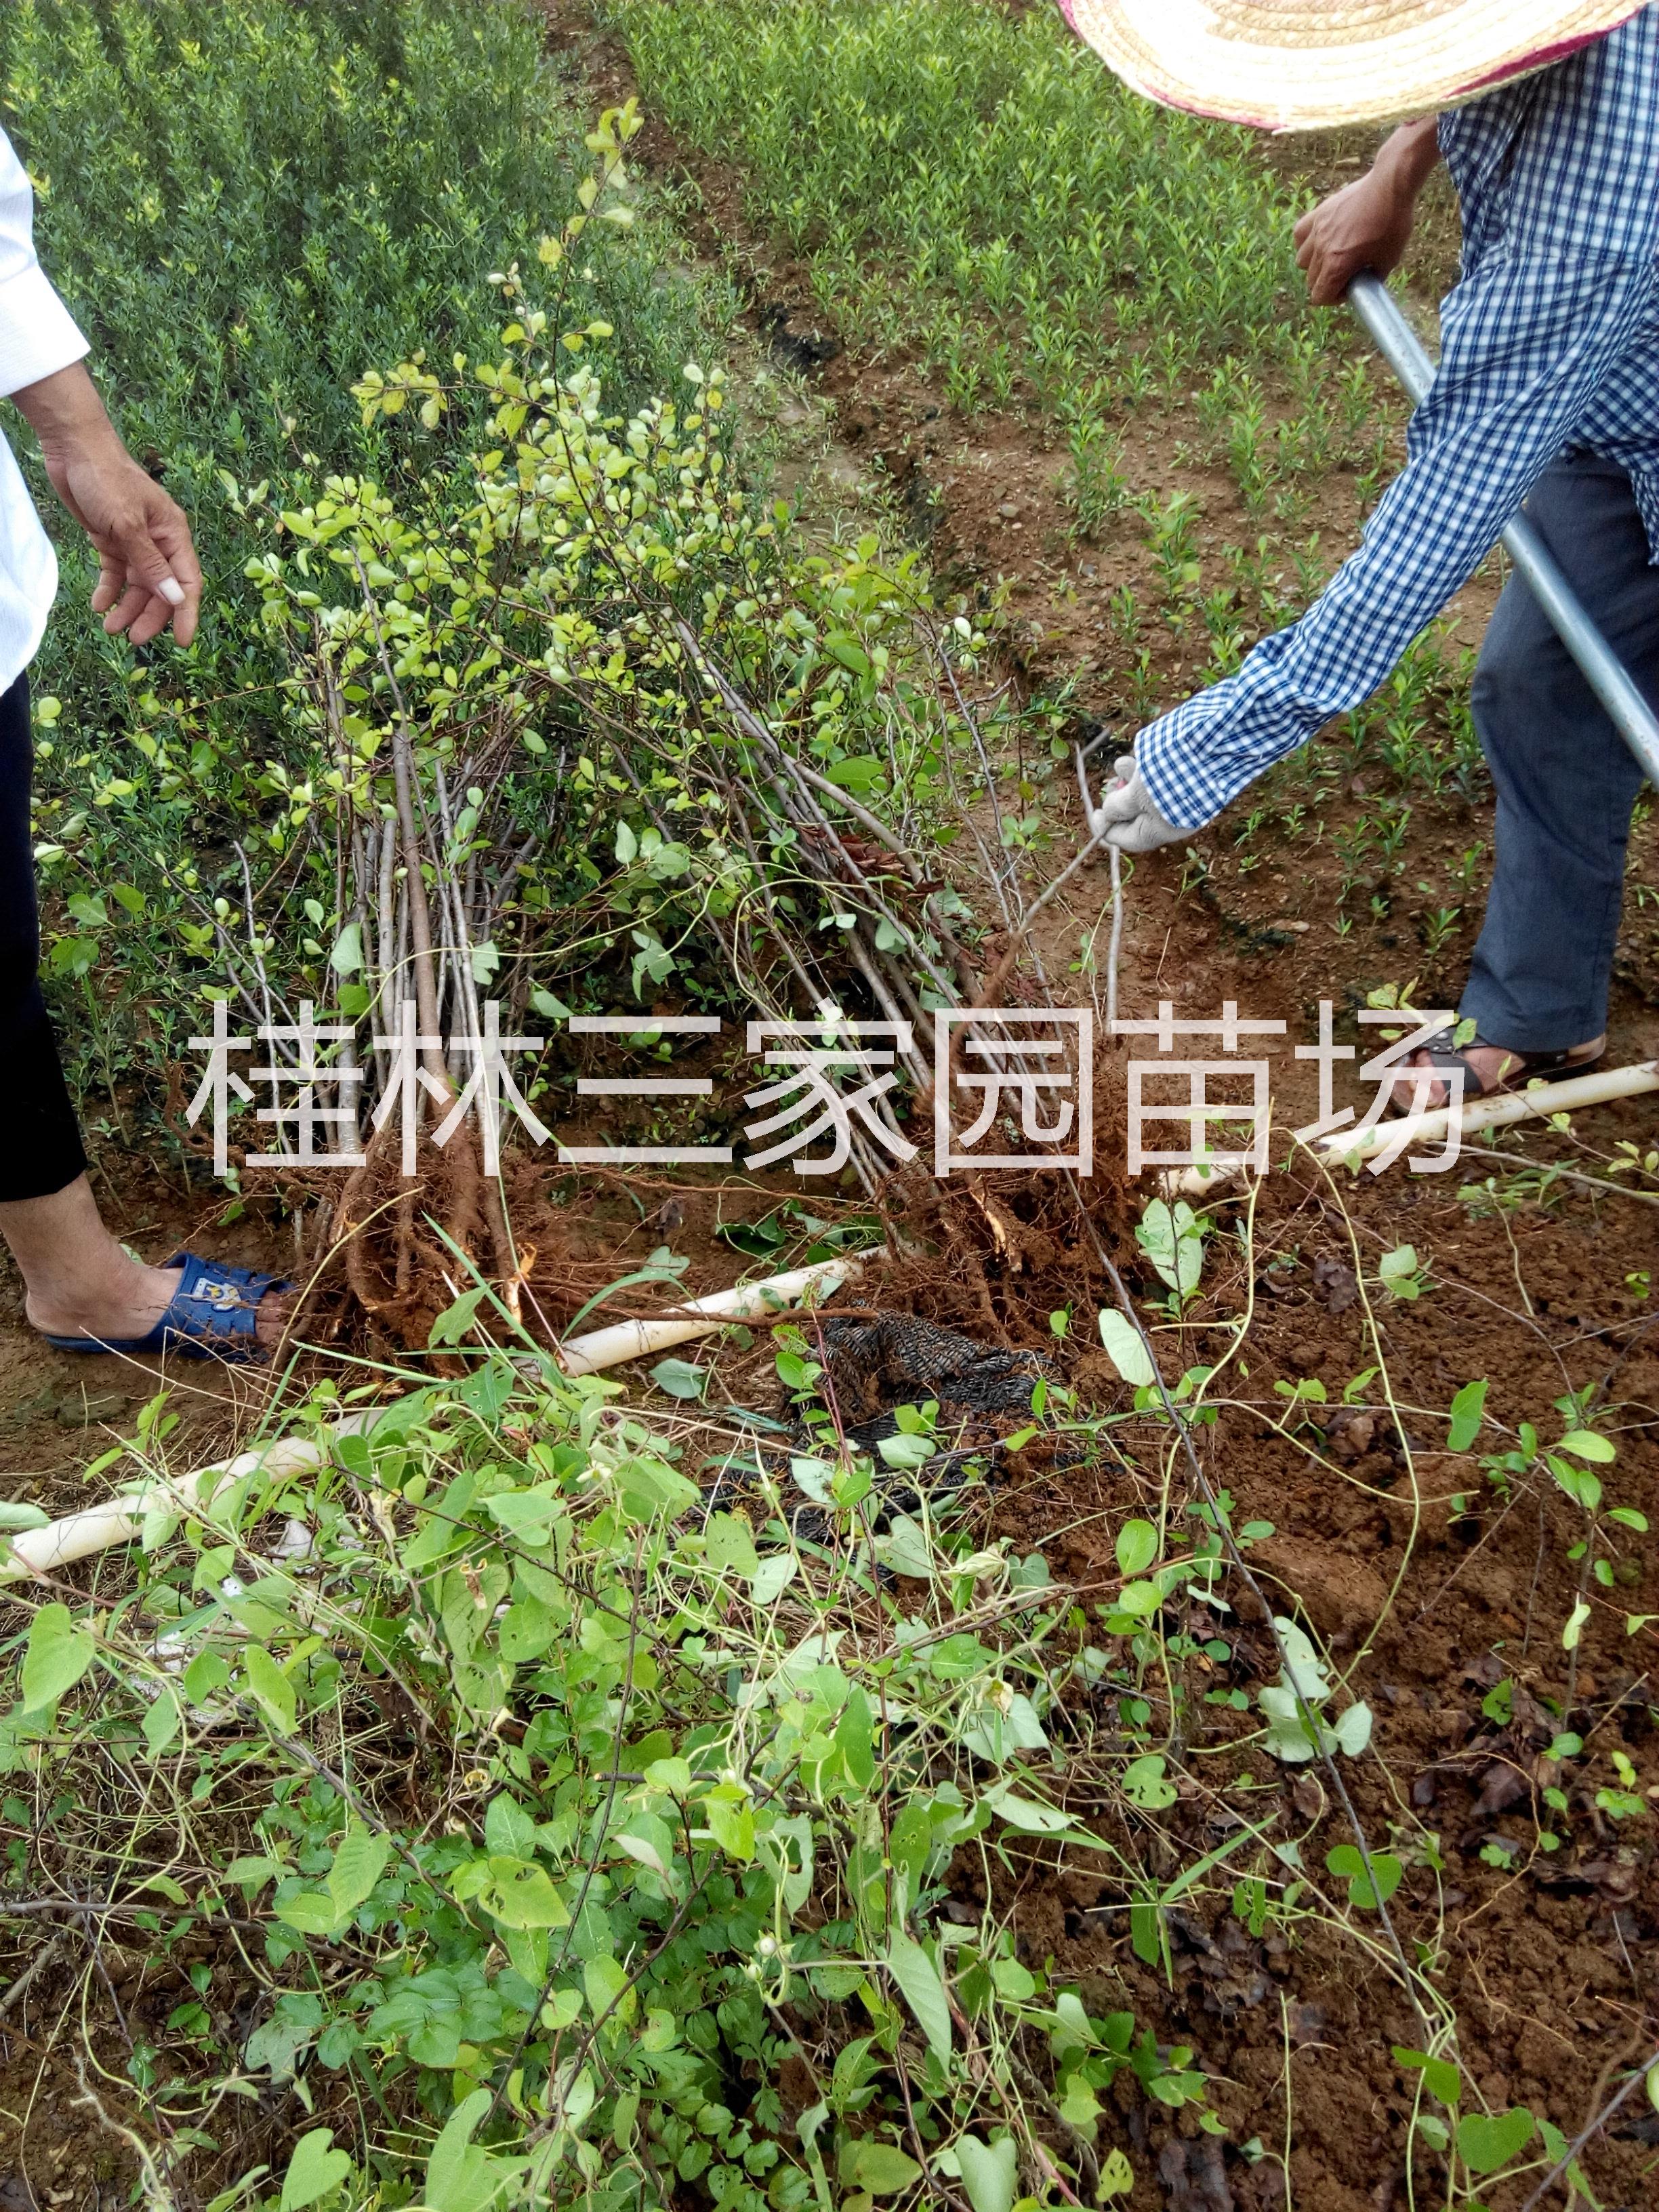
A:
{"x": 39, "y": 1551}
{"x": 1499, "y": 1111}
{"x": 637, "y": 1339}
{"x": 119, "y": 1519}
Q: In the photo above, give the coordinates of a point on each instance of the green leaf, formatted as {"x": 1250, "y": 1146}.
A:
{"x": 162, "y": 1722}
{"x": 458, "y": 2175}
{"x": 1117, "y": 2176}
{"x": 1575, "y": 1627}
{"x": 649, "y": 1487}
{"x": 14, "y": 1514}
{"x": 679, "y": 1378}
{"x": 1137, "y": 1547}
{"x": 313, "y": 2170}
{"x": 311, "y": 1912}
{"x": 729, "y": 1544}
{"x": 1397, "y": 1272}
{"x": 1144, "y": 1783}
{"x": 1580, "y": 1485}
{"x": 56, "y": 1657}
{"x": 1033, "y": 1818}
{"x": 990, "y": 2173}
{"x": 1467, "y": 1411}
{"x": 1173, "y": 1241}
{"x": 1488, "y": 2145}
{"x": 732, "y": 1826}
{"x": 456, "y": 1321}
{"x": 359, "y": 1861}
{"x": 1584, "y": 1443}
{"x": 1440, "y": 2077}
{"x": 1348, "y": 1860}
{"x": 346, "y": 960}
{"x": 610, "y": 1989}
{"x": 1146, "y": 1932}
{"x": 906, "y": 1452}
{"x": 271, "y": 1689}
{"x": 525, "y": 1897}
{"x": 772, "y": 1577}
{"x": 881, "y": 2168}
{"x": 923, "y": 1991}
{"x": 861, "y": 774}
{"x": 1125, "y": 1350}
{"x": 527, "y": 1513}
{"x": 206, "y": 1673}
{"x": 257, "y": 1870}
{"x": 1352, "y": 1731}
{"x": 1499, "y": 1704}
{"x": 855, "y": 1739}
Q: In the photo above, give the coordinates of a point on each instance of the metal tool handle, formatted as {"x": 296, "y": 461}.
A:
{"x": 1605, "y": 674}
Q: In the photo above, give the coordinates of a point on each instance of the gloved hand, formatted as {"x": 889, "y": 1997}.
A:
{"x": 1127, "y": 820}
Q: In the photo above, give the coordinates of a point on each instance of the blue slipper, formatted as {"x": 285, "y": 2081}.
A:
{"x": 212, "y": 1314}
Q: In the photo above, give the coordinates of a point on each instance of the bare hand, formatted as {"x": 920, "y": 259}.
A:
{"x": 1367, "y": 225}
{"x": 148, "y": 573}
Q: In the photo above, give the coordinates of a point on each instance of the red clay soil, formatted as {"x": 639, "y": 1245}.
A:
{"x": 1434, "y": 1589}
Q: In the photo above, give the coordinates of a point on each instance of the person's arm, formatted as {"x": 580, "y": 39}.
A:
{"x": 1525, "y": 344}
{"x": 1368, "y": 224}
{"x": 147, "y": 574}
{"x": 146, "y": 570}
{"x": 1528, "y": 339}
{"x": 1365, "y": 226}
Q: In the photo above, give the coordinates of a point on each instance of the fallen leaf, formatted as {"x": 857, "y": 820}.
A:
{"x": 1308, "y": 1795}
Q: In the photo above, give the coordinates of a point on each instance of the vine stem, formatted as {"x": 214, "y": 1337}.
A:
{"x": 1309, "y": 1720}
{"x": 1589, "y": 2131}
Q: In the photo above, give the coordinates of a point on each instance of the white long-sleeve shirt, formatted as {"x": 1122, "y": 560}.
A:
{"x": 38, "y": 336}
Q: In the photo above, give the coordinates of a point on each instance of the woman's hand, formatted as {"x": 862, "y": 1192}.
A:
{"x": 1367, "y": 224}
{"x": 148, "y": 573}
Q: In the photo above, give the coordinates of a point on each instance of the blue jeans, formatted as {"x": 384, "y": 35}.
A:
{"x": 1565, "y": 779}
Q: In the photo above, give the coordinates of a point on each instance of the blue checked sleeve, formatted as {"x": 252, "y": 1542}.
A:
{"x": 1526, "y": 341}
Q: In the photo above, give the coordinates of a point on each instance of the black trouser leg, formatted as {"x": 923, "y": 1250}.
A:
{"x": 1565, "y": 779}
{"x": 39, "y": 1142}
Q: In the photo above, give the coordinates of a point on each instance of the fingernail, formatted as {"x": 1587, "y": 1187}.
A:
{"x": 172, "y": 591}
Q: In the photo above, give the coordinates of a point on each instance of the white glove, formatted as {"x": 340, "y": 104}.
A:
{"x": 1127, "y": 819}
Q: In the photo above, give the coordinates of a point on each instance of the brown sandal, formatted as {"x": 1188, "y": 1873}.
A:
{"x": 1523, "y": 1067}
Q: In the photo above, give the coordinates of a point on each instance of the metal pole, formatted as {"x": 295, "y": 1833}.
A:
{"x": 1605, "y": 674}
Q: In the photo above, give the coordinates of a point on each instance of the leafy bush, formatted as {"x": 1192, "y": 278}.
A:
{"x": 596, "y": 1837}
{"x": 247, "y": 202}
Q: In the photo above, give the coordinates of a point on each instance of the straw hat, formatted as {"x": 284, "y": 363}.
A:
{"x": 1311, "y": 64}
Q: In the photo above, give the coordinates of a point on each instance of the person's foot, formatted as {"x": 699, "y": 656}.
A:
{"x": 126, "y": 1299}
{"x": 1491, "y": 1067}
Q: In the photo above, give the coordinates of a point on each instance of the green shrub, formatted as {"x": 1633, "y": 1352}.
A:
{"x": 247, "y": 202}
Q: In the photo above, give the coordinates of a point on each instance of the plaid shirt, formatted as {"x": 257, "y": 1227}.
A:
{"x": 1549, "y": 341}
